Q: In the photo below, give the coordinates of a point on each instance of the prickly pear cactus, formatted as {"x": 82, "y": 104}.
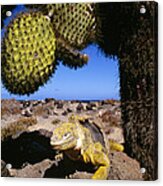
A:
{"x": 28, "y": 50}
{"x": 74, "y": 25}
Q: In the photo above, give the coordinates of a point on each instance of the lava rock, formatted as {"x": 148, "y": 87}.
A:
{"x": 59, "y": 105}
{"x": 4, "y": 171}
{"x": 80, "y": 107}
{"x": 27, "y": 112}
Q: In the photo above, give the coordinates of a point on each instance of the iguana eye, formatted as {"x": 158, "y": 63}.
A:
{"x": 66, "y": 135}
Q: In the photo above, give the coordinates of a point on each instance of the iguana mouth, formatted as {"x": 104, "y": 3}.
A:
{"x": 63, "y": 144}
{"x": 58, "y": 143}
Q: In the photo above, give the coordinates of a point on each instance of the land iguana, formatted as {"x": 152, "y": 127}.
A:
{"x": 82, "y": 140}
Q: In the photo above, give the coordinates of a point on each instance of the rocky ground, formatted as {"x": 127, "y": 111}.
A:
{"x": 26, "y": 128}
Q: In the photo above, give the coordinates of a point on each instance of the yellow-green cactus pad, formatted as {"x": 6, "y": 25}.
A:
{"x": 28, "y": 53}
{"x": 74, "y": 25}
{"x": 73, "y": 22}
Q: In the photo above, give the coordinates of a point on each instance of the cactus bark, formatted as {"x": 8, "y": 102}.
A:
{"x": 132, "y": 36}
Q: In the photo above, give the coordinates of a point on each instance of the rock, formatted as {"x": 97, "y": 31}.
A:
{"x": 122, "y": 168}
{"x": 109, "y": 117}
{"x": 27, "y": 112}
{"x": 14, "y": 129}
{"x": 43, "y": 101}
{"x": 69, "y": 110}
{"x": 26, "y": 104}
{"x": 35, "y": 103}
{"x": 56, "y": 121}
{"x": 48, "y": 111}
{"x": 55, "y": 112}
{"x": 10, "y": 107}
{"x": 115, "y": 134}
{"x": 89, "y": 106}
{"x": 33, "y": 171}
{"x": 59, "y": 105}
{"x": 92, "y": 106}
{"x": 80, "y": 107}
{"x": 80, "y": 175}
{"x": 64, "y": 113}
{"x": 4, "y": 171}
{"x": 45, "y": 133}
{"x": 48, "y": 100}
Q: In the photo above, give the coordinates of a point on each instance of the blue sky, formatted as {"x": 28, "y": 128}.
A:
{"x": 98, "y": 80}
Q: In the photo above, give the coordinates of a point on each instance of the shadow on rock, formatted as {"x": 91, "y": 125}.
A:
{"x": 27, "y": 148}
{"x": 67, "y": 167}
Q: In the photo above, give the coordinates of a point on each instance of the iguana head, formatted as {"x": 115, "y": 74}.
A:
{"x": 65, "y": 137}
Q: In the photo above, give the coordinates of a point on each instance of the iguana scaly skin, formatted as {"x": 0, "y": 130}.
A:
{"x": 81, "y": 142}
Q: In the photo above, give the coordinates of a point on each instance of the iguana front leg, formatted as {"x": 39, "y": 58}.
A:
{"x": 58, "y": 157}
{"x": 94, "y": 154}
{"x": 116, "y": 146}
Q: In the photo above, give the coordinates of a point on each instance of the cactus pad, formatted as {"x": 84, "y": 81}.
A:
{"x": 28, "y": 50}
{"x": 74, "y": 25}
